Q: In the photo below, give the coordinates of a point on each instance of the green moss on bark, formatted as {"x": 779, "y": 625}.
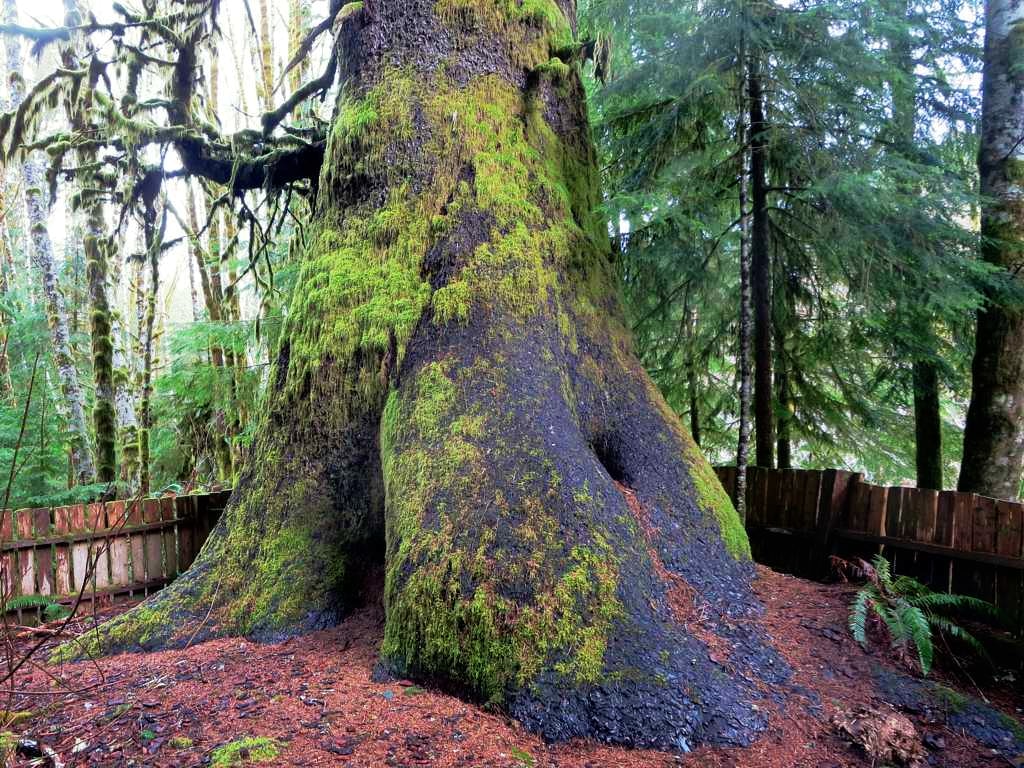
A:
{"x": 446, "y": 616}
{"x": 711, "y": 496}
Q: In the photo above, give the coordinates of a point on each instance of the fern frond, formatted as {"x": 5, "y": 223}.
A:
{"x": 859, "y": 617}
{"x": 918, "y": 631}
{"x": 23, "y": 602}
{"x": 882, "y": 571}
{"x": 954, "y": 630}
{"x": 941, "y": 601}
{"x": 906, "y": 586}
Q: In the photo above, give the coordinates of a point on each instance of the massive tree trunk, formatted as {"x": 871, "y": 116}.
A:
{"x": 994, "y": 432}
{"x": 456, "y": 402}
{"x": 41, "y": 249}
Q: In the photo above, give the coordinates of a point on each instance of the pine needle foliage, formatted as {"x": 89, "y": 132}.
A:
{"x": 872, "y": 242}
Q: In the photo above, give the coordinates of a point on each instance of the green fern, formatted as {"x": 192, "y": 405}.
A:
{"x": 52, "y": 610}
{"x": 912, "y": 613}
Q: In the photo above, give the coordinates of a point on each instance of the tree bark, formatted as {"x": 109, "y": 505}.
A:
{"x": 927, "y": 414}
{"x": 456, "y": 401}
{"x": 994, "y": 433}
{"x": 153, "y": 236}
{"x": 760, "y": 270}
{"x": 6, "y": 272}
{"x": 97, "y": 249}
{"x": 42, "y": 259}
{"x": 927, "y": 426}
{"x": 785, "y": 323}
{"x": 266, "y": 57}
{"x": 124, "y": 396}
{"x": 743, "y": 356}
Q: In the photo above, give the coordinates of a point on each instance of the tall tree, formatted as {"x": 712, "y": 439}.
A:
{"x": 32, "y": 181}
{"x": 124, "y": 395}
{"x": 994, "y": 433}
{"x": 760, "y": 266}
{"x": 97, "y": 252}
{"x": 863, "y": 239}
{"x": 456, "y": 398}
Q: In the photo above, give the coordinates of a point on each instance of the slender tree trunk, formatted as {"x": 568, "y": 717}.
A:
{"x": 927, "y": 426}
{"x": 743, "y": 358}
{"x": 6, "y": 272}
{"x": 210, "y": 298}
{"x": 927, "y": 415}
{"x": 760, "y": 270}
{"x": 124, "y": 399}
{"x": 221, "y": 441}
{"x": 42, "y": 257}
{"x": 784, "y": 303}
{"x": 239, "y": 359}
{"x": 193, "y": 289}
{"x": 97, "y": 249}
{"x": 694, "y": 406}
{"x": 456, "y": 401}
{"x": 153, "y": 239}
{"x": 994, "y": 433}
{"x": 266, "y": 57}
{"x": 298, "y": 28}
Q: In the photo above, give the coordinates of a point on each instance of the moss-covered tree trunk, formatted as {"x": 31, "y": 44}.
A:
{"x": 993, "y": 457}
{"x": 456, "y": 404}
{"x": 32, "y": 178}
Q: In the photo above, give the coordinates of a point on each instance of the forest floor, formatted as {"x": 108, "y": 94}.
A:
{"x": 314, "y": 696}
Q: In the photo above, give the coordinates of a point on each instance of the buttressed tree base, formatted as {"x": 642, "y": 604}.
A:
{"x": 456, "y": 402}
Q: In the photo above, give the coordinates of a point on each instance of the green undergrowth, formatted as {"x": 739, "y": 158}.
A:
{"x": 8, "y": 743}
{"x": 245, "y": 751}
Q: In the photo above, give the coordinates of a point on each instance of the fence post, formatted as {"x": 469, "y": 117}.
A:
{"x": 835, "y": 487}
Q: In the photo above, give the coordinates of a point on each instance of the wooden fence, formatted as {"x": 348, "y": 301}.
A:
{"x": 954, "y": 542}
{"x": 116, "y": 549}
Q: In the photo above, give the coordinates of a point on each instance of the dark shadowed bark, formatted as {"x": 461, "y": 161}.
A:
{"x": 994, "y": 433}
{"x": 927, "y": 415}
{"x": 927, "y": 426}
{"x": 456, "y": 402}
{"x": 743, "y": 358}
{"x": 760, "y": 269}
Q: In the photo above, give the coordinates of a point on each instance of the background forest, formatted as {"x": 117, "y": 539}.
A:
{"x": 816, "y": 157}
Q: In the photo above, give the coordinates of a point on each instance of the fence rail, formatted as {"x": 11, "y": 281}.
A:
{"x": 952, "y": 541}
{"x": 108, "y": 549}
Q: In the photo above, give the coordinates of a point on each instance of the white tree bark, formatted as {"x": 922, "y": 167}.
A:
{"x": 993, "y": 459}
{"x": 32, "y": 177}
{"x": 124, "y": 394}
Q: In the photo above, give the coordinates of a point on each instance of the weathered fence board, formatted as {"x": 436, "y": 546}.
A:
{"x": 954, "y": 542}
{"x": 113, "y": 549}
